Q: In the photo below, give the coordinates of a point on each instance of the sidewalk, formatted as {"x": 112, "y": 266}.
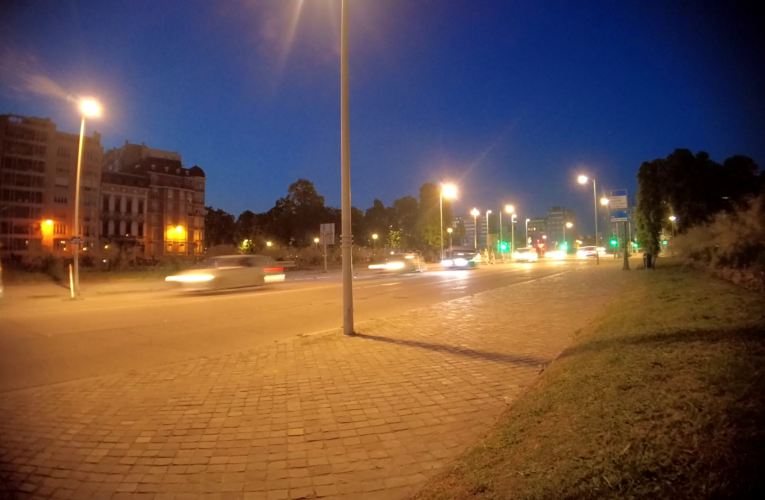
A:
{"x": 322, "y": 416}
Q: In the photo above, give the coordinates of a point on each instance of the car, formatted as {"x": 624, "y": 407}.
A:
{"x": 228, "y": 271}
{"x": 461, "y": 260}
{"x": 526, "y": 254}
{"x": 586, "y": 252}
{"x": 399, "y": 263}
{"x": 556, "y": 255}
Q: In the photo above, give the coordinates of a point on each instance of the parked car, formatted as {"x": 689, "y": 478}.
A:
{"x": 400, "y": 263}
{"x": 526, "y": 254}
{"x": 229, "y": 271}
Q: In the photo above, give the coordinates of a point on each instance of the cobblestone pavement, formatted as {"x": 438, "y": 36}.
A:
{"x": 321, "y": 416}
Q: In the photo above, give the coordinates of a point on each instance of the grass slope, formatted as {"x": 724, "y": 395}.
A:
{"x": 662, "y": 397}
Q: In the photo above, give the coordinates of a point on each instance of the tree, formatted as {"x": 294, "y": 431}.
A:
{"x": 651, "y": 209}
{"x": 248, "y": 229}
{"x": 405, "y": 218}
{"x": 219, "y": 227}
{"x": 377, "y": 220}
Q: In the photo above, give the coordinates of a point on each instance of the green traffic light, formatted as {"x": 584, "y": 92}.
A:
{"x": 634, "y": 244}
{"x": 664, "y": 242}
{"x": 564, "y": 247}
{"x": 503, "y": 246}
{"x": 614, "y": 243}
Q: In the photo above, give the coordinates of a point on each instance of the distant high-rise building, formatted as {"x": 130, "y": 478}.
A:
{"x": 469, "y": 222}
{"x": 38, "y": 172}
{"x": 550, "y": 229}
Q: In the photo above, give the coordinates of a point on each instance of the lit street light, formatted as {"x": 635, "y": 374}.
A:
{"x": 269, "y": 244}
{"x": 374, "y": 244}
{"x": 447, "y": 191}
{"x": 568, "y": 225}
{"x": 475, "y": 213}
{"x": 316, "y": 243}
{"x": 88, "y": 108}
{"x": 604, "y": 201}
{"x": 450, "y": 230}
{"x": 583, "y": 180}
{"x": 527, "y": 231}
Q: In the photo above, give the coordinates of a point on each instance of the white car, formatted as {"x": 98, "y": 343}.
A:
{"x": 526, "y": 254}
{"x": 586, "y": 252}
{"x": 230, "y": 271}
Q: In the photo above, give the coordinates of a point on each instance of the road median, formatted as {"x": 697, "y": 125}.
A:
{"x": 661, "y": 397}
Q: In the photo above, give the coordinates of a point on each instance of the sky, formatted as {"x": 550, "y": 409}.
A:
{"x": 508, "y": 100}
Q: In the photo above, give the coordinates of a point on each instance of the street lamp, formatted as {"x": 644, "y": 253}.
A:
{"x": 269, "y": 244}
{"x": 674, "y": 224}
{"x": 88, "y": 108}
{"x": 527, "y": 232}
{"x": 447, "y": 191}
{"x": 346, "y": 237}
{"x": 583, "y": 180}
{"x": 512, "y": 234}
{"x": 316, "y": 243}
{"x": 374, "y": 243}
{"x": 487, "y": 228}
{"x": 475, "y": 213}
{"x": 604, "y": 201}
{"x": 450, "y": 230}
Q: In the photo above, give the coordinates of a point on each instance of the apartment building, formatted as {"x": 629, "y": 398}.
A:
{"x": 38, "y": 167}
{"x": 173, "y": 217}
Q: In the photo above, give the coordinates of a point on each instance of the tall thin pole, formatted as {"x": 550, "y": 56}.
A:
{"x": 75, "y": 244}
{"x": 595, "y": 204}
{"x": 512, "y": 237}
{"x": 500, "y": 229}
{"x": 441, "y": 207}
{"x": 475, "y": 230}
{"x": 345, "y": 167}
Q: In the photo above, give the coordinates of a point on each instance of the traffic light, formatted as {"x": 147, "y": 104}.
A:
{"x": 664, "y": 242}
{"x": 634, "y": 244}
{"x": 614, "y": 242}
{"x": 503, "y": 246}
{"x": 564, "y": 247}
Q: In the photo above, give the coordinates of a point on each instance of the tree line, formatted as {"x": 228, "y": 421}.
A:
{"x": 409, "y": 224}
{"x": 693, "y": 188}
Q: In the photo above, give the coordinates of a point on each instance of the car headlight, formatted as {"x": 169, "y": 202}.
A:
{"x": 447, "y": 263}
{"x": 190, "y": 278}
{"x": 394, "y": 265}
{"x": 460, "y": 262}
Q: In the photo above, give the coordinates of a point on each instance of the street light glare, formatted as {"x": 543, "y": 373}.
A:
{"x": 449, "y": 230}
{"x": 90, "y": 108}
{"x": 316, "y": 240}
{"x": 582, "y": 179}
{"x": 374, "y": 236}
{"x": 604, "y": 201}
{"x": 672, "y": 218}
{"x": 568, "y": 224}
{"x": 488, "y": 212}
{"x": 475, "y": 212}
{"x": 509, "y": 209}
{"x": 449, "y": 191}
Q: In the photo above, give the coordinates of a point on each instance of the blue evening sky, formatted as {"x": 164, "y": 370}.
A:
{"x": 508, "y": 99}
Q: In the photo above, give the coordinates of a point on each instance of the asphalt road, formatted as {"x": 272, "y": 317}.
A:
{"x": 47, "y": 341}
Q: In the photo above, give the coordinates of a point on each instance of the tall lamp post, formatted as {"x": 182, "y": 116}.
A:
{"x": 448, "y": 191}
{"x": 475, "y": 213}
{"x": 88, "y": 108}
{"x": 583, "y": 180}
{"x": 450, "y": 230}
{"x": 374, "y": 244}
{"x": 346, "y": 237}
{"x": 316, "y": 243}
{"x": 487, "y": 228}
{"x": 526, "y": 242}
{"x": 512, "y": 234}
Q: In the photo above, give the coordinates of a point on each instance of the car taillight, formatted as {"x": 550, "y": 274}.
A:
{"x": 272, "y": 269}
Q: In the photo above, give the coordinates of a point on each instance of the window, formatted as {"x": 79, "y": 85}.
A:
{"x": 59, "y": 228}
{"x": 140, "y": 230}
{"x": 169, "y": 194}
{"x": 59, "y": 198}
{"x": 140, "y": 207}
{"x": 59, "y": 244}
{"x": 21, "y": 229}
{"x": 62, "y": 182}
{"x": 170, "y": 247}
{"x": 63, "y": 152}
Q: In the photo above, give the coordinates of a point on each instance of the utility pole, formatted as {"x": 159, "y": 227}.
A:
{"x": 626, "y": 264}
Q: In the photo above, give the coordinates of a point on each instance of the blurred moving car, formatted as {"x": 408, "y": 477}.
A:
{"x": 527, "y": 254}
{"x": 458, "y": 259}
{"x": 229, "y": 271}
{"x": 400, "y": 262}
{"x": 556, "y": 255}
{"x": 585, "y": 252}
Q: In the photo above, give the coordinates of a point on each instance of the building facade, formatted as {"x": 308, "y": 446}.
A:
{"x": 469, "y": 222}
{"x": 124, "y": 202}
{"x": 38, "y": 172}
{"x": 175, "y": 196}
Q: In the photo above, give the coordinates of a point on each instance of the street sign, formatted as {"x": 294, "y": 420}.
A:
{"x": 76, "y": 240}
{"x": 618, "y": 200}
{"x": 327, "y": 234}
{"x": 619, "y": 216}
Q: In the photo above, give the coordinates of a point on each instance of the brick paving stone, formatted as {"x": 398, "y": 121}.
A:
{"x": 319, "y": 416}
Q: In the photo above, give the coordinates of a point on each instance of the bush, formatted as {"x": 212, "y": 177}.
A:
{"x": 735, "y": 240}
